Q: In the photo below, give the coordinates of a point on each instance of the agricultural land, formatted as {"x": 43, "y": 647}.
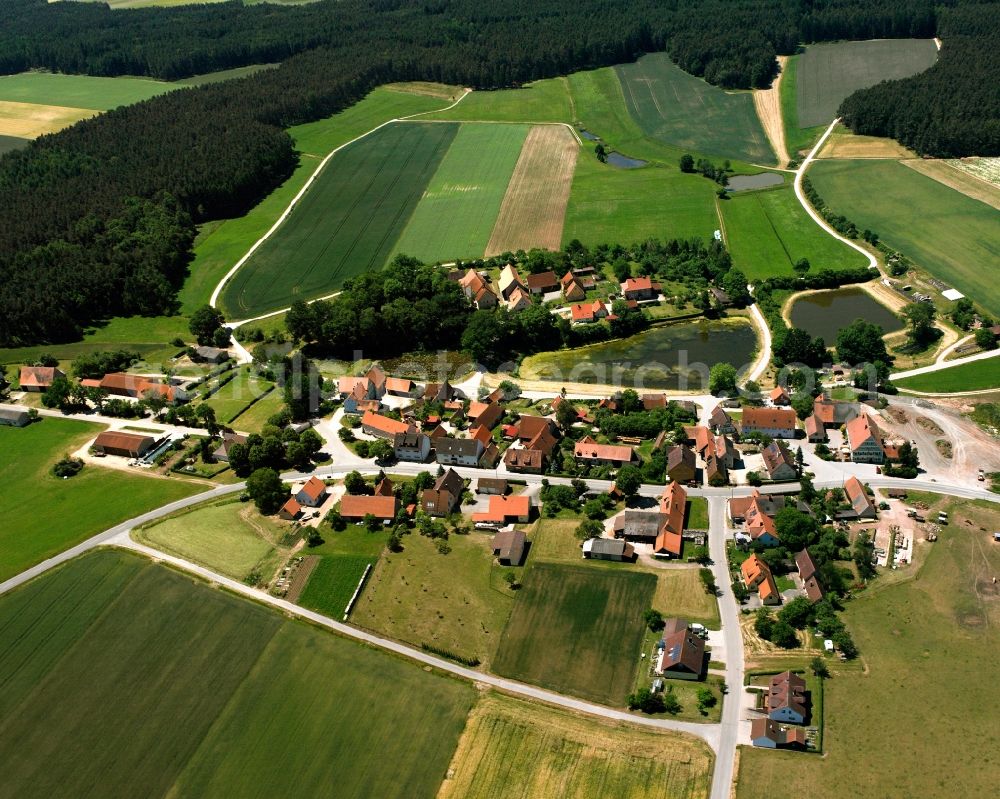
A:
{"x": 972, "y": 376}
{"x": 342, "y": 560}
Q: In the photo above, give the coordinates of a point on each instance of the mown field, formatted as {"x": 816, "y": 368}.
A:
{"x": 680, "y": 593}
{"x": 347, "y": 223}
{"x": 685, "y": 111}
{"x": 459, "y": 207}
{"x": 974, "y": 376}
{"x": 231, "y": 400}
{"x": 577, "y": 630}
{"x": 79, "y": 91}
{"x": 179, "y": 689}
{"x": 925, "y": 697}
{"x": 516, "y": 749}
{"x": 768, "y": 231}
{"x": 42, "y": 515}
{"x": 255, "y": 416}
{"x": 950, "y": 235}
{"x": 827, "y": 73}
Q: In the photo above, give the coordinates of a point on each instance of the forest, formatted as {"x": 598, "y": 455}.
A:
{"x": 98, "y": 219}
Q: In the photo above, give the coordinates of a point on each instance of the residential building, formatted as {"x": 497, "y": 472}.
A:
{"x": 458, "y": 451}
{"x": 491, "y": 485}
{"x": 400, "y": 387}
{"x": 125, "y": 445}
{"x": 528, "y": 427}
{"x": 587, "y": 450}
{"x": 638, "y": 288}
{"x": 835, "y": 413}
{"x": 291, "y": 510}
{"x": 385, "y": 488}
{"x": 375, "y": 424}
{"x": 757, "y": 577}
{"x": 510, "y": 281}
{"x": 485, "y": 414}
{"x": 14, "y": 416}
{"x": 445, "y": 495}
{"x": 138, "y": 387}
{"x": 312, "y": 494}
{"x": 228, "y": 439}
{"x": 716, "y": 473}
{"x": 759, "y": 517}
{"x": 414, "y": 447}
{"x": 490, "y": 457}
{"x": 524, "y": 461}
{"x": 774, "y": 422}
{"x": 519, "y": 300}
{"x": 683, "y": 654}
{"x": 786, "y": 699}
{"x": 585, "y": 313}
{"x": 506, "y": 510}
{"x": 608, "y": 549}
{"x": 778, "y": 462}
{"x": 700, "y": 437}
{"x": 771, "y": 735}
{"x": 865, "y": 440}
{"x": 38, "y": 378}
{"x": 508, "y": 547}
{"x": 478, "y": 290}
{"x": 378, "y": 379}
{"x": 808, "y": 578}
{"x": 862, "y": 506}
{"x": 740, "y": 507}
{"x": 721, "y": 422}
{"x": 670, "y": 536}
{"x": 572, "y": 288}
{"x": 543, "y": 282}
{"x": 356, "y": 508}
{"x": 779, "y": 397}
{"x": 815, "y": 429}
{"x": 681, "y": 466}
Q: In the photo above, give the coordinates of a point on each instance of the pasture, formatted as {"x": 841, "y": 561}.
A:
{"x": 534, "y": 206}
{"x": 42, "y": 515}
{"x": 79, "y": 91}
{"x": 677, "y": 108}
{"x": 956, "y": 235}
{"x": 768, "y": 231}
{"x": 949, "y": 608}
{"x": 457, "y": 212}
{"x": 515, "y": 748}
{"x": 577, "y": 630}
{"x": 827, "y": 73}
{"x": 347, "y": 223}
{"x": 974, "y": 376}
{"x": 171, "y": 682}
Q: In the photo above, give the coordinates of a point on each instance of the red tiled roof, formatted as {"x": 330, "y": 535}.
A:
{"x": 588, "y": 449}
{"x": 638, "y": 284}
{"x": 357, "y": 507}
{"x": 769, "y": 418}
{"x": 384, "y": 423}
{"x": 37, "y": 376}
{"x": 314, "y": 488}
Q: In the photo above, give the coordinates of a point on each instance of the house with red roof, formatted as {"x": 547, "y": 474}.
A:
{"x": 588, "y": 312}
{"x": 638, "y": 288}
{"x": 38, "y": 378}
{"x": 572, "y": 288}
{"x": 375, "y": 424}
{"x": 588, "y": 451}
{"x": 312, "y": 493}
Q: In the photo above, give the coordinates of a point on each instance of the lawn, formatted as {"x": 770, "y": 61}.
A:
{"x": 256, "y": 416}
{"x": 231, "y": 400}
{"x": 974, "y": 376}
{"x": 828, "y": 73}
{"x": 457, "y": 602}
{"x": 956, "y": 235}
{"x": 797, "y": 140}
{"x": 768, "y": 231}
{"x": 42, "y": 515}
{"x": 697, "y": 513}
{"x": 933, "y": 637}
{"x": 333, "y": 582}
{"x": 514, "y": 748}
{"x": 456, "y": 215}
{"x": 347, "y": 223}
{"x": 179, "y": 689}
{"x": 79, "y": 91}
{"x": 680, "y": 593}
{"x": 672, "y": 106}
{"x": 577, "y": 630}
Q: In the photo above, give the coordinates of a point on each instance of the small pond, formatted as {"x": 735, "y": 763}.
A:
{"x": 624, "y": 162}
{"x": 761, "y": 181}
{"x": 826, "y": 312}
{"x": 667, "y": 357}
{"x": 586, "y": 134}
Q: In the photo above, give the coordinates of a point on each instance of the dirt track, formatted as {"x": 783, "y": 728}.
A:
{"x": 768, "y": 105}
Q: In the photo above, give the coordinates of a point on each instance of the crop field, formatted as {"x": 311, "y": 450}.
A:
{"x": 534, "y": 206}
{"x": 78, "y": 91}
{"x": 875, "y": 732}
{"x": 955, "y": 237}
{"x": 685, "y": 111}
{"x": 844, "y": 144}
{"x": 828, "y": 73}
{"x": 974, "y": 376}
{"x": 230, "y": 400}
{"x": 171, "y": 684}
{"x": 347, "y": 223}
{"x": 798, "y": 140}
{"x": 333, "y": 582}
{"x": 42, "y": 515}
{"x": 768, "y": 231}
{"x": 31, "y": 120}
{"x": 577, "y": 630}
{"x": 987, "y": 169}
{"x": 512, "y": 748}
{"x": 954, "y": 177}
{"x": 456, "y": 215}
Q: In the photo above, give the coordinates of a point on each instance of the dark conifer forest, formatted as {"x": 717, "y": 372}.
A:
{"x": 97, "y": 220}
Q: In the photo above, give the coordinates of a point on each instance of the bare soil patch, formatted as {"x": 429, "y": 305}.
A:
{"x": 30, "y": 120}
{"x": 957, "y": 179}
{"x": 768, "y": 105}
{"x": 302, "y": 574}
{"x": 930, "y": 425}
{"x": 534, "y": 207}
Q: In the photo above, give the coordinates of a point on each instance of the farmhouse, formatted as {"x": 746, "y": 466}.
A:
{"x": 770, "y": 735}
{"x": 291, "y": 510}
{"x": 587, "y": 450}
{"x": 411, "y": 447}
{"x": 670, "y": 535}
{"x": 835, "y": 413}
{"x": 38, "y": 378}
{"x": 510, "y": 281}
{"x": 384, "y": 488}
{"x": 786, "y": 699}
{"x": 716, "y": 473}
{"x": 525, "y": 461}
{"x": 543, "y": 282}
{"x": 807, "y": 576}
{"x": 399, "y": 386}
{"x": 375, "y": 424}
{"x": 572, "y": 288}
{"x": 444, "y": 496}
{"x": 815, "y": 429}
{"x": 757, "y": 576}
{"x": 356, "y": 508}
{"x": 14, "y": 416}
{"x": 774, "y": 422}
{"x": 779, "y": 397}
{"x": 608, "y": 549}
{"x": 585, "y": 313}
{"x": 638, "y": 288}
{"x": 682, "y": 656}
{"x": 779, "y": 462}
{"x": 491, "y": 485}
{"x": 125, "y": 445}
{"x": 312, "y": 493}
{"x": 508, "y": 547}
{"x": 485, "y": 414}
{"x": 458, "y": 451}
{"x": 519, "y": 300}
{"x": 865, "y": 440}
{"x": 126, "y": 385}
{"x": 681, "y": 466}
{"x": 478, "y": 291}
{"x": 506, "y": 510}
{"x": 210, "y": 355}
{"x": 861, "y": 505}
{"x": 228, "y": 439}
{"x": 721, "y": 422}
{"x": 699, "y": 436}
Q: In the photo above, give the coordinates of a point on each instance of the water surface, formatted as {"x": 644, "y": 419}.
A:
{"x": 826, "y": 312}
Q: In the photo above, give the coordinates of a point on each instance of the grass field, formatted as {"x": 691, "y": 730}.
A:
{"x": 680, "y": 593}
{"x": 879, "y": 739}
{"x": 768, "y": 231}
{"x": 685, "y": 111}
{"x": 42, "y": 515}
{"x": 230, "y": 400}
{"x": 182, "y": 690}
{"x": 456, "y": 602}
{"x": 10, "y": 143}
{"x": 347, "y": 223}
{"x": 956, "y": 235}
{"x": 952, "y": 175}
{"x": 333, "y": 582}
{"x": 577, "y": 630}
{"x": 798, "y": 140}
{"x": 541, "y": 101}
{"x": 828, "y": 73}
{"x": 516, "y": 749}
{"x": 974, "y": 376}
{"x": 456, "y": 215}
{"x": 256, "y": 416}
{"x": 79, "y": 91}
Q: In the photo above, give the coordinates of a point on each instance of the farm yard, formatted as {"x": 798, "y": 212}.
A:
{"x": 577, "y": 630}
{"x": 42, "y": 515}
{"x": 513, "y": 748}
{"x": 955, "y": 237}
{"x": 170, "y": 683}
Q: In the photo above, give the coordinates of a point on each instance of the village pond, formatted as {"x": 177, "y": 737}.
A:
{"x": 675, "y": 356}
{"x": 824, "y": 313}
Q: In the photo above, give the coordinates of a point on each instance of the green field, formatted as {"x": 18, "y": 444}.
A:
{"x": 42, "y": 515}
{"x": 577, "y": 630}
{"x": 347, "y": 223}
{"x": 768, "y": 231}
{"x": 256, "y": 416}
{"x": 685, "y": 111}
{"x": 180, "y": 689}
{"x": 541, "y": 101}
{"x": 680, "y": 593}
{"x": 9, "y": 143}
{"x": 929, "y": 644}
{"x": 78, "y": 91}
{"x": 333, "y": 582}
{"x": 828, "y": 73}
{"x": 230, "y": 400}
{"x": 456, "y": 215}
{"x": 798, "y": 140}
{"x": 974, "y": 376}
{"x": 950, "y": 235}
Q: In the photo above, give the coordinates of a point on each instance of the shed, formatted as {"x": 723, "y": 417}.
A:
{"x": 14, "y": 416}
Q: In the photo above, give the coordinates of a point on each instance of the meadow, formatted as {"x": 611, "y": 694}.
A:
{"x": 457, "y": 212}
{"x": 171, "y": 684}
{"x": 680, "y": 593}
{"x": 255, "y": 416}
{"x": 955, "y": 237}
{"x": 79, "y": 91}
{"x": 932, "y": 635}
{"x": 827, "y": 73}
{"x": 347, "y": 223}
{"x": 768, "y": 231}
{"x": 42, "y": 515}
{"x": 577, "y": 630}
{"x": 9, "y": 143}
{"x": 232, "y": 399}
{"x": 685, "y": 111}
{"x": 515, "y": 748}
{"x": 333, "y": 582}
{"x": 974, "y": 376}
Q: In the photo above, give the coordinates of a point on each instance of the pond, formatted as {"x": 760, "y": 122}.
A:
{"x": 675, "y": 356}
{"x": 624, "y": 162}
{"x": 761, "y": 181}
{"x": 586, "y": 134}
{"x": 826, "y": 312}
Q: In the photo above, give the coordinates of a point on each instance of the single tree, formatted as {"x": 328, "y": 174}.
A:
{"x": 628, "y": 480}
{"x": 654, "y": 620}
{"x": 266, "y": 490}
{"x": 687, "y": 163}
{"x": 722, "y": 380}
{"x": 204, "y": 322}
{"x": 354, "y": 483}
